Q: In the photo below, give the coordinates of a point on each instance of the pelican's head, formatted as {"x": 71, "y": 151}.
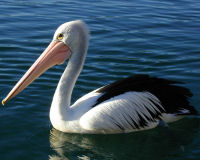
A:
{"x": 72, "y": 34}
{"x": 66, "y": 41}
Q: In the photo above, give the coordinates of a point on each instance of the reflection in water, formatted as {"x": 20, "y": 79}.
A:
{"x": 159, "y": 143}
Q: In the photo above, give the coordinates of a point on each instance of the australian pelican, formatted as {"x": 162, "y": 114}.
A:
{"x": 132, "y": 104}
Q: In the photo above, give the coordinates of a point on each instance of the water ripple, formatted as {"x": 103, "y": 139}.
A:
{"x": 160, "y": 38}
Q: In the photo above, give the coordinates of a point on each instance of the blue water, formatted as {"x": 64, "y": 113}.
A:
{"x": 160, "y": 38}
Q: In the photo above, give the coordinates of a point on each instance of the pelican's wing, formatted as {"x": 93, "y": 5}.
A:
{"x": 136, "y": 103}
{"x": 124, "y": 113}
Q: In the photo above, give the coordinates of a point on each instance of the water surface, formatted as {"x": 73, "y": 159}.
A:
{"x": 160, "y": 38}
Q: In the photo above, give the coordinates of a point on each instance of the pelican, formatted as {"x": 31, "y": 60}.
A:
{"x": 135, "y": 103}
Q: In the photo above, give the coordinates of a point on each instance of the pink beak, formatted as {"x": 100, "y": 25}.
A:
{"x": 56, "y": 53}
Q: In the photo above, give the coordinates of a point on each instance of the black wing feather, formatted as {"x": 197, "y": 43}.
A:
{"x": 172, "y": 97}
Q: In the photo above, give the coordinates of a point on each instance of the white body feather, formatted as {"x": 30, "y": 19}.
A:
{"x": 109, "y": 115}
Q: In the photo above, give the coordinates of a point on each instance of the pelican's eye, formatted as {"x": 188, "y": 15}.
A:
{"x": 60, "y": 36}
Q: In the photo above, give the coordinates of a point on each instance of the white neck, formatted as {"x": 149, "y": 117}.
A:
{"x": 62, "y": 97}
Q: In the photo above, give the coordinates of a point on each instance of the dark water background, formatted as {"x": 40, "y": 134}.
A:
{"x": 160, "y": 38}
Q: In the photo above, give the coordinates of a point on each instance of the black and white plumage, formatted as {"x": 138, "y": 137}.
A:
{"x": 137, "y": 103}
{"x": 132, "y": 104}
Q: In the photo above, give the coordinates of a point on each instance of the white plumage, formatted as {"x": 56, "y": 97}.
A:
{"x": 121, "y": 113}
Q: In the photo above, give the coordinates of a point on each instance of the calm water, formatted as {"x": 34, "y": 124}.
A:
{"x": 161, "y": 38}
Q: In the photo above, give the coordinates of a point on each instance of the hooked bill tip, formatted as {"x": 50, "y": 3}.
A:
{"x": 3, "y": 102}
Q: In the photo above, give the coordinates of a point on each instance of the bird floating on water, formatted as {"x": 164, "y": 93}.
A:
{"x": 136, "y": 103}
